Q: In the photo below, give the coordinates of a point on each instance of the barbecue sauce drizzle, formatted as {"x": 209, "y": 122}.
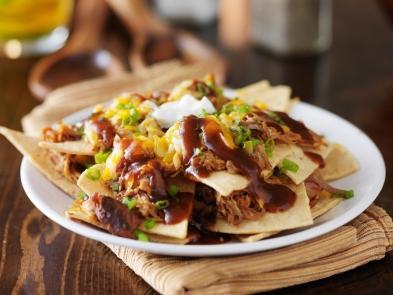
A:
{"x": 275, "y": 197}
{"x": 316, "y": 158}
{"x": 136, "y": 165}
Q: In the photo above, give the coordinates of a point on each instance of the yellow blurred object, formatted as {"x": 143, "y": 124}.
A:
{"x": 27, "y": 19}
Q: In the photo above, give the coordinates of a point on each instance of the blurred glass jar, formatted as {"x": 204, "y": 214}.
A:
{"x": 291, "y": 27}
{"x": 201, "y": 12}
{"x": 33, "y": 27}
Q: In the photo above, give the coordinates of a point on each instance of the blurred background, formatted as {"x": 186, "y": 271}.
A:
{"x": 315, "y": 46}
{"x": 337, "y": 54}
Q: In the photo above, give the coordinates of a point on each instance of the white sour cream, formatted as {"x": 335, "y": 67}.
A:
{"x": 169, "y": 113}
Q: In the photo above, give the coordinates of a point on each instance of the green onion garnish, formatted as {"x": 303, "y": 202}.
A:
{"x": 93, "y": 173}
{"x": 269, "y": 147}
{"x": 149, "y": 223}
{"x": 115, "y": 186}
{"x": 141, "y": 236}
{"x": 83, "y": 196}
{"x": 173, "y": 190}
{"x": 197, "y": 152}
{"x": 288, "y": 165}
{"x": 344, "y": 194}
{"x": 243, "y": 108}
{"x": 250, "y": 144}
{"x": 275, "y": 117}
{"x": 129, "y": 202}
{"x": 101, "y": 157}
{"x": 162, "y": 204}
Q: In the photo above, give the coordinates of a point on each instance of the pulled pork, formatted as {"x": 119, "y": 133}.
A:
{"x": 265, "y": 127}
{"x": 61, "y": 133}
{"x": 315, "y": 185}
{"x": 117, "y": 218}
{"x": 209, "y": 161}
{"x": 239, "y": 206}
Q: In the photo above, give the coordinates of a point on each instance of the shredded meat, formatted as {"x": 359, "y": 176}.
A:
{"x": 209, "y": 161}
{"x": 117, "y": 218}
{"x": 315, "y": 184}
{"x": 239, "y": 206}
{"x": 264, "y": 127}
{"x": 61, "y": 133}
{"x": 143, "y": 202}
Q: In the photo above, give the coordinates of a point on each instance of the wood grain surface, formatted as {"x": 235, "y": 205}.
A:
{"x": 354, "y": 79}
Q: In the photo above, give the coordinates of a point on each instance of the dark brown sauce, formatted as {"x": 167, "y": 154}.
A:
{"x": 105, "y": 130}
{"x": 316, "y": 158}
{"x": 180, "y": 208}
{"x": 200, "y": 236}
{"x": 275, "y": 197}
{"x": 189, "y": 133}
{"x": 297, "y": 127}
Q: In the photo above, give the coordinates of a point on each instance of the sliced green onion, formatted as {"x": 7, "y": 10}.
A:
{"x": 204, "y": 113}
{"x": 250, "y": 144}
{"x": 149, "y": 223}
{"x": 243, "y": 108}
{"x": 141, "y": 236}
{"x": 269, "y": 147}
{"x": 115, "y": 186}
{"x": 173, "y": 190}
{"x": 83, "y": 196}
{"x": 275, "y": 117}
{"x": 344, "y": 194}
{"x": 226, "y": 109}
{"x": 101, "y": 157}
{"x": 129, "y": 202}
{"x": 162, "y": 204}
{"x": 93, "y": 173}
{"x": 288, "y": 165}
{"x": 197, "y": 152}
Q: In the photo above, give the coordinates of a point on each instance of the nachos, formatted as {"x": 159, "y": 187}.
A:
{"x": 196, "y": 164}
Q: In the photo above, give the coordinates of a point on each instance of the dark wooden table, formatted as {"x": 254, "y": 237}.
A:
{"x": 354, "y": 79}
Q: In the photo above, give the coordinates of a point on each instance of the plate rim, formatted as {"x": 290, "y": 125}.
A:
{"x": 206, "y": 250}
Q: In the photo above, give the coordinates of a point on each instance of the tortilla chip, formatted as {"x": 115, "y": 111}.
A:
{"x": 298, "y": 215}
{"x": 255, "y": 237}
{"x": 306, "y": 165}
{"x": 178, "y": 230}
{"x": 75, "y": 212}
{"x": 79, "y": 147}
{"x": 41, "y": 158}
{"x": 89, "y": 186}
{"x": 280, "y": 151}
{"x": 339, "y": 163}
{"x": 276, "y": 98}
{"x": 168, "y": 240}
{"x": 321, "y": 207}
{"x": 324, "y": 205}
{"x": 224, "y": 182}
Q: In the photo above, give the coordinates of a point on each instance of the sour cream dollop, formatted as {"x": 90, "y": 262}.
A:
{"x": 169, "y": 113}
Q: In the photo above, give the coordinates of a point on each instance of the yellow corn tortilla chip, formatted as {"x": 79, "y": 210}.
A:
{"x": 79, "y": 147}
{"x": 178, "y": 230}
{"x": 276, "y": 98}
{"x": 41, "y": 158}
{"x": 339, "y": 163}
{"x": 321, "y": 207}
{"x": 224, "y": 182}
{"x": 306, "y": 165}
{"x": 75, "y": 212}
{"x": 298, "y": 215}
{"x": 89, "y": 186}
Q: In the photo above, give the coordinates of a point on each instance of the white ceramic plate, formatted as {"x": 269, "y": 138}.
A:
{"x": 367, "y": 183}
